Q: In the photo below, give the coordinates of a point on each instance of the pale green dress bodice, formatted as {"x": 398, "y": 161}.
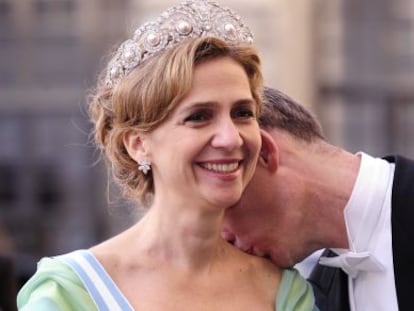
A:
{"x": 56, "y": 286}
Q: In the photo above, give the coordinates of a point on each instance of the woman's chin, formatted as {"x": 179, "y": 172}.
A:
{"x": 226, "y": 202}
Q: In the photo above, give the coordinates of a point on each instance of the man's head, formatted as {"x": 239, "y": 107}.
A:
{"x": 275, "y": 216}
{"x": 280, "y": 112}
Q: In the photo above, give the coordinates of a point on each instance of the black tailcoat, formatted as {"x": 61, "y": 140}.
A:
{"x": 331, "y": 284}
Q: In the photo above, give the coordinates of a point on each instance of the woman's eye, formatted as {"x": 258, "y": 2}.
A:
{"x": 244, "y": 113}
{"x": 199, "y": 116}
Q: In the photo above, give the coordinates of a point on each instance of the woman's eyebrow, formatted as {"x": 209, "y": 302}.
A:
{"x": 199, "y": 104}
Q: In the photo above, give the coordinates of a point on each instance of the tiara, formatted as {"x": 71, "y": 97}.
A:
{"x": 189, "y": 19}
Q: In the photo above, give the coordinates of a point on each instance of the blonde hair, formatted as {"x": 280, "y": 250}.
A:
{"x": 145, "y": 98}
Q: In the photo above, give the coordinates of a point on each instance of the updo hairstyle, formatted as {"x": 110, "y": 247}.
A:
{"x": 147, "y": 96}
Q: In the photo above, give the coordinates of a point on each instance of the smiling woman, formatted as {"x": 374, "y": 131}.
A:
{"x": 143, "y": 104}
{"x": 176, "y": 116}
{"x": 216, "y": 130}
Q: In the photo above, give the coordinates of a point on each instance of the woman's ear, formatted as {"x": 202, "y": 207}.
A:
{"x": 269, "y": 153}
{"x": 133, "y": 142}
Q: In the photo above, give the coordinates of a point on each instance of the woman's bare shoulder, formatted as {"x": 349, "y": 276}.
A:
{"x": 266, "y": 270}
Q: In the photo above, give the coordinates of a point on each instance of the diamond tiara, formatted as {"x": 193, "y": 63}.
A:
{"x": 189, "y": 19}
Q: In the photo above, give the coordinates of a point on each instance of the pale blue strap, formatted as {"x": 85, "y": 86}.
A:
{"x": 96, "y": 280}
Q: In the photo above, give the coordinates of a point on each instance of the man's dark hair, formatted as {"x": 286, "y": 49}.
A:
{"x": 282, "y": 112}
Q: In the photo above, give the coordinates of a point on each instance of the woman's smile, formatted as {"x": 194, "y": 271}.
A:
{"x": 221, "y": 166}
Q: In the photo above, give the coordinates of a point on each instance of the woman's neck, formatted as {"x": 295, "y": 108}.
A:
{"x": 188, "y": 238}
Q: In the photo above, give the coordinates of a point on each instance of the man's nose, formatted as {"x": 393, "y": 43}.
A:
{"x": 228, "y": 236}
{"x": 242, "y": 245}
{"x": 227, "y": 135}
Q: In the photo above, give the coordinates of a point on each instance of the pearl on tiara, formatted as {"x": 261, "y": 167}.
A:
{"x": 189, "y": 19}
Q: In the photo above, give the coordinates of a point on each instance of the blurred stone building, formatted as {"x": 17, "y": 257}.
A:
{"x": 364, "y": 65}
{"x": 52, "y": 192}
{"x": 351, "y": 62}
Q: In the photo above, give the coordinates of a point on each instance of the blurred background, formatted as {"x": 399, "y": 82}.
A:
{"x": 350, "y": 61}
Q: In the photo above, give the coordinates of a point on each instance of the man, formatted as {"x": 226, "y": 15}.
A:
{"x": 308, "y": 194}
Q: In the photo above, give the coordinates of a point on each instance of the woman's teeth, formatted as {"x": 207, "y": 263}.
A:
{"x": 221, "y": 168}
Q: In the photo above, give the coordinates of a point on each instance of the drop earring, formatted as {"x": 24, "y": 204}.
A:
{"x": 144, "y": 166}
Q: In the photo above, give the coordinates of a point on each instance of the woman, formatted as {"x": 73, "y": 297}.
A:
{"x": 176, "y": 117}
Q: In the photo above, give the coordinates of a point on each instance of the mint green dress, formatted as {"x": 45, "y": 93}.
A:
{"x": 77, "y": 281}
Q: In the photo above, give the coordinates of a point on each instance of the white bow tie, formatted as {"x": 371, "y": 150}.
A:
{"x": 353, "y": 263}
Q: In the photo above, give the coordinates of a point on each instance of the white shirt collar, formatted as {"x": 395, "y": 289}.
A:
{"x": 369, "y": 260}
{"x": 370, "y": 192}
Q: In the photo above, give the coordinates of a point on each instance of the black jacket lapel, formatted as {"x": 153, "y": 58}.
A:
{"x": 402, "y": 220}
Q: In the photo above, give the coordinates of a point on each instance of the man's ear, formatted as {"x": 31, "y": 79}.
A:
{"x": 133, "y": 142}
{"x": 269, "y": 153}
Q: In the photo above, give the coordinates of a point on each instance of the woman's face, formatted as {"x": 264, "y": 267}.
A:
{"x": 206, "y": 151}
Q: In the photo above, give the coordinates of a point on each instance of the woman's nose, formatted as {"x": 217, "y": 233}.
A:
{"x": 227, "y": 135}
